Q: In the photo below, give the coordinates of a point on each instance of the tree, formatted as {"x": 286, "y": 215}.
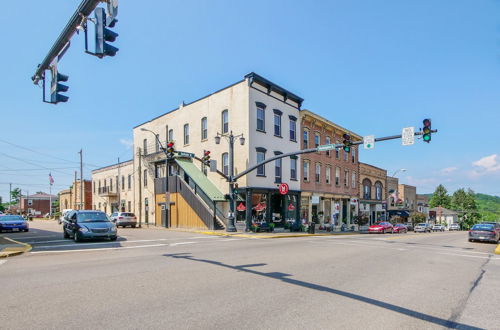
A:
{"x": 464, "y": 203}
{"x": 440, "y": 197}
{"x": 16, "y": 195}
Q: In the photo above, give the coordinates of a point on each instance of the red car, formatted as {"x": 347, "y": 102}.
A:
{"x": 381, "y": 227}
{"x": 400, "y": 228}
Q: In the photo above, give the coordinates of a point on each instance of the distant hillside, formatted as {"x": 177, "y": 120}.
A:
{"x": 488, "y": 205}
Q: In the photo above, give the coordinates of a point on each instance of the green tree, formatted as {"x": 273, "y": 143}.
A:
{"x": 440, "y": 197}
{"x": 464, "y": 203}
{"x": 417, "y": 217}
{"x": 16, "y": 195}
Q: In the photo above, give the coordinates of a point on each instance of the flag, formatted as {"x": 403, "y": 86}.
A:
{"x": 51, "y": 179}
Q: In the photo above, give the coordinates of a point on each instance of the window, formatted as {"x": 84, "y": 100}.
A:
{"x": 186, "y": 134}
{"x": 145, "y": 178}
{"x": 261, "y": 156}
{"x": 316, "y": 140}
{"x": 353, "y": 180}
{"x": 337, "y": 153}
{"x": 293, "y": 128}
{"x": 30, "y": 202}
{"x": 328, "y": 141}
{"x": 129, "y": 182}
{"x": 346, "y": 155}
{"x": 378, "y": 190}
{"x": 110, "y": 184}
{"x": 170, "y": 135}
{"x": 346, "y": 178}
{"x": 204, "y": 129}
{"x": 157, "y": 143}
{"x": 353, "y": 155}
{"x": 328, "y": 174}
{"x": 261, "y": 117}
{"x": 93, "y": 186}
{"x": 123, "y": 182}
{"x": 305, "y": 139}
{"x": 99, "y": 188}
{"x": 145, "y": 146}
{"x": 129, "y": 206}
{"x": 306, "y": 170}
{"x": 277, "y": 171}
{"x": 117, "y": 182}
{"x": 225, "y": 121}
{"x": 225, "y": 163}
{"x": 293, "y": 168}
{"x": 277, "y": 122}
{"x": 337, "y": 176}
{"x": 317, "y": 175}
{"x": 367, "y": 189}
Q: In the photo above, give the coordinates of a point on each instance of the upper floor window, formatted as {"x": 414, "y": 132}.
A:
{"x": 145, "y": 146}
{"x": 328, "y": 174}
{"x": 204, "y": 128}
{"x": 261, "y": 117}
{"x": 225, "y": 121}
{"x": 346, "y": 155}
{"x": 367, "y": 189}
{"x": 353, "y": 155}
{"x": 346, "y": 178}
{"x": 293, "y": 128}
{"x": 337, "y": 153}
{"x": 186, "y": 134}
{"x": 110, "y": 184}
{"x": 317, "y": 176}
{"x": 157, "y": 143}
{"x": 378, "y": 190}
{"x": 123, "y": 182}
{"x": 170, "y": 135}
{"x": 277, "y": 122}
{"x": 129, "y": 182}
{"x": 305, "y": 175}
{"x": 261, "y": 156}
{"x": 337, "y": 176}
{"x": 225, "y": 163}
{"x": 328, "y": 141}
{"x": 277, "y": 168}
{"x": 316, "y": 139}
{"x": 293, "y": 168}
{"x": 305, "y": 139}
{"x": 145, "y": 178}
{"x": 353, "y": 180}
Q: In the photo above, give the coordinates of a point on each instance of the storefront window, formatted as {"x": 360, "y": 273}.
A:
{"x": 259, "y": 206}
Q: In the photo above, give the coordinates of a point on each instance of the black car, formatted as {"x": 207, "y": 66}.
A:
{"x": 484, "y": 232}
{"x": 409, "y": 226}
{"x": 83, "y": 224}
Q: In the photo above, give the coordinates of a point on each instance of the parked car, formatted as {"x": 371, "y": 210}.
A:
{"x": 83, "y": 224}
{"x": 484, "y": 232}
{"x": 454, "y": 226}
{"x": 422, "y": 227}
{"x": 13, "y": 223}
{"x": 400, "y": 228}
{"x": 124, "y": 219}
{"x": 496, "y": 224}
{"x": 438, "y": 227}
{"x": 409, "y": 226}
{"x": 381, "y": 227}
{"x": 63, "y": 213}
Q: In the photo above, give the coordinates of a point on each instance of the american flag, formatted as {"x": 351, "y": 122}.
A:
{"x": 51, "y": 179}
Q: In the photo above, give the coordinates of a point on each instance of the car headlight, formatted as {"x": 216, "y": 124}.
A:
{"x": 83, "y": 230}
{"x": 112, "y": 228}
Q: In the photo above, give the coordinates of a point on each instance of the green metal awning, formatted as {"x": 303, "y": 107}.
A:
{"x": 200, "y": 179}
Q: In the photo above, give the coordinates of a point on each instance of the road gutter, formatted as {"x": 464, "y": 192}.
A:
{"x": 14, "y": 248}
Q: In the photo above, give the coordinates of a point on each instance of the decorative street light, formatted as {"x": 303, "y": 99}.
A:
{"x": 399, "y": 170}
{"x": 167, "y": 197}
{"x": 230, "y": 178}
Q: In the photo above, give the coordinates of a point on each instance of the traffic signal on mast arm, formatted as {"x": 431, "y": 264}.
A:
{"x": 170, "y": 149}
{"x": 104, "y": 35}
{"x": 206, "y": 157}
{"x": 347, "y": 142}
{"x": 56, "y": 87}
{"x": 427, "y": 130}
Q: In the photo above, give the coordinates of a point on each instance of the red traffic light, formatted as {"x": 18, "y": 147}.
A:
{"x": 346, "y": 136}
{"x": 170, "y": 144}
{"x": 206, "y": 153}
{"x": 427, "y": 122}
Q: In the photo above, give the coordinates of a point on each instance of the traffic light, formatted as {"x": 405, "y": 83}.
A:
{"x": 170, "y": 149}
{"x": 347, "y": 142}
{"x": 427, "y": 130}
{"x": 56, "y": 87}
{"x": 206, "y": 157}
{"x": 104, "y": 35}
{"x": 235, "y": 189}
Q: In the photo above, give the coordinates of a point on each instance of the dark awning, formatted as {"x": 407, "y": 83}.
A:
{"x": 401, "y": 213}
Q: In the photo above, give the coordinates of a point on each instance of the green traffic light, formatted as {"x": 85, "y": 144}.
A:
{"x": 347, "y": 149}
{"x": 427, "y": 137}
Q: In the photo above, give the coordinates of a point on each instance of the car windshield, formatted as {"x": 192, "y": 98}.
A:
{"x": 92, "y": 217}
{"x": 421, "y": 225}
{"x": 11, "y": 218}
{"x": 483, "y": 227}
{"x": 127, "y": 214}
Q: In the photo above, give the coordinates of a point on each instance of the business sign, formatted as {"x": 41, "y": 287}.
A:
{"x": 315, "y": 199}
{"x": 283, "y": 188}
{"x": 369, "y": 142}
{"x": 408, "y": 136}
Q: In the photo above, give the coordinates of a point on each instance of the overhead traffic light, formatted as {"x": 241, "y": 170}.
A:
{"x": 347, "y": 142}
{"x": 56, "y": 87}
{"x": 427, "y": 130}
{"x": 206, "y": 157}
{"x": 170, "y": 149}
{"x": 104, "y": 35}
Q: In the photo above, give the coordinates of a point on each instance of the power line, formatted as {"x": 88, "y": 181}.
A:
{"x": 31, "y": 163}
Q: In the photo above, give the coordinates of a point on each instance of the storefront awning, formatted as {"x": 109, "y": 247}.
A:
{"x": 200, "y": 179}
{"x": 401, "y": 213}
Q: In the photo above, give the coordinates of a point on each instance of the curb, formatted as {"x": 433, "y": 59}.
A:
{"x": 14, "y": 251}
{"x": 497, "y": 250}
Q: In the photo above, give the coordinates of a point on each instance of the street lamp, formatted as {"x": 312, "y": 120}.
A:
{"x": 230, "y": 178}
{"x": 167, "y": 199}
{"x": 399, "y": 170}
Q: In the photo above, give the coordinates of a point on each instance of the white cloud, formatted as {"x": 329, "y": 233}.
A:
{"x": 449, "y": 170}
{"x": 127, "y": 143}
{"x": 486, "y": 165}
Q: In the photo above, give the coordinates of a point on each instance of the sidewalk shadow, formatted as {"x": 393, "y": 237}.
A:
{"x": 286, "y": 278}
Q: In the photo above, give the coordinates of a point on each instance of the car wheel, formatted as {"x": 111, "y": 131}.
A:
{"x": 383, "y": 231}
{"x": 26, "y": 230}
{"x": 76, "y": 237}
{"x": 471, "y": 240}
{"x": 113, "y": 238}
{"x": 133, "y": 226}
{"x": 65, "y": 234}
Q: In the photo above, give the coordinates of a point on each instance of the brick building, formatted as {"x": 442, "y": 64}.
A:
{"x": 372, "y": 192}
{"x": 37, "y": 204}
{"x": 70, "y": 198}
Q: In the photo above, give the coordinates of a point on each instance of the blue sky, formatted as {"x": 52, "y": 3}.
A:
{"x": 373, "y": 66}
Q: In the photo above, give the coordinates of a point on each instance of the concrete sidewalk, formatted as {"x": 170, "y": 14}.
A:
{"x": 10, "y": 247}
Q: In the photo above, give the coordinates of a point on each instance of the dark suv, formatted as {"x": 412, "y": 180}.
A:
{"x": 83, "y": 224}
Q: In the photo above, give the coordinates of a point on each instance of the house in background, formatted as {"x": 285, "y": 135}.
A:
{"x": 443, "y": 216}
{"x": 37, "y": 204}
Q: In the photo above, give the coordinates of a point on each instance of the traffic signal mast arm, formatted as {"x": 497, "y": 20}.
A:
{"x": 310, "y": 150}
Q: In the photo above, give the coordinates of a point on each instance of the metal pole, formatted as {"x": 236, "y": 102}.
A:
{"x": 230, "y": 226}
{"x": 81, "y": 180}
{"x": 167, "y": 196}
{"x": 118, "y": 188}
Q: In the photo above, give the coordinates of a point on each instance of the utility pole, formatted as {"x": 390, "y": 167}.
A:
{"x": 74, "y": 188}
{"x": 118, "y": 187}
{"x": 81, "y": 180}
{"x": 10, "y": 194}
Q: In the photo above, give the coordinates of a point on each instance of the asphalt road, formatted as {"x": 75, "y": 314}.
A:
{"x": 159, "y": 279}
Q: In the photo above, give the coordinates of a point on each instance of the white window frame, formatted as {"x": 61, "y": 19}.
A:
{"x": 186, "y": 134}
{"x": 225, "y": 121}
{"x": 204, "y": 128}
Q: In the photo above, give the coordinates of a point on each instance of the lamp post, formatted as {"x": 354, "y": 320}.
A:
{"x": 397, "y": 171}
{"x": 167, "y": 197}
{"x": 230, "y": 178}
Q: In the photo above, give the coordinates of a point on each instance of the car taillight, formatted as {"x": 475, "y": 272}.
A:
{"x": 120, "y": 218}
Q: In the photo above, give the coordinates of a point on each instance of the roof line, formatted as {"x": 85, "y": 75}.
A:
{"x": 115, "y": 164}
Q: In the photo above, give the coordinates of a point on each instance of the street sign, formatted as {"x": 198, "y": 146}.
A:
{"x": 185, "y": 154}
{"x": 326, "y": 147}
{"x": 408, "y": 136}
{"x": 283, "y": 188}
{"x": 369, "y": 142}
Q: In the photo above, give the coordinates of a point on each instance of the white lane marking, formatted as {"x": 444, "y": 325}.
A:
{"x": 99, "y": 243}
{"x": 101, "y": 249}
{"x": 182, "y": 243}
{"x": 465, "y": 255}
{"x": 2, "y": 261}
{"x": 230, "y": 239}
